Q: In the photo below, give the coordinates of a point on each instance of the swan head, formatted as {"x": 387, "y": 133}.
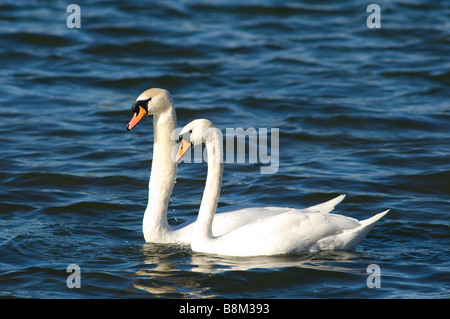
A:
{"x": 150, "y": 102}
{"x": 193, "y": 134}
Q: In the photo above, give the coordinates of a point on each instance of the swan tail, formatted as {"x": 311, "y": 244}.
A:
{"x": 372, "y": 220}
{"x": 349, "y": 238}
{"x": 327, "y": 206}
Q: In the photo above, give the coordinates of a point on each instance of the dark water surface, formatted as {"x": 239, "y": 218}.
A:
{"x": 364, "y": 112}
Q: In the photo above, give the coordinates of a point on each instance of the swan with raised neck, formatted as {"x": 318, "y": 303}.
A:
{"x": 289, "y": 231}
{"x": 159, "y": 103}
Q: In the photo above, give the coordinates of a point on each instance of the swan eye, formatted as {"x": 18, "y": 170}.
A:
{"x": 180, "y": 138}
{"x": 190, "y": 131}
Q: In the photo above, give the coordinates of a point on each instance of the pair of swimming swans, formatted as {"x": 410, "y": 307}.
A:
{"x": 251, "y": 231}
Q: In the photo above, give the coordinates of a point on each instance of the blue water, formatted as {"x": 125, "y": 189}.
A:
{"x": 363, "y": 112}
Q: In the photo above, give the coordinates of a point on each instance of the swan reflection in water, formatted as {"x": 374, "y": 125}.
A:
{"x": 175, "y": 271}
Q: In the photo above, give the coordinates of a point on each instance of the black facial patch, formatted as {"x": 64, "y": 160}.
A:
{"x": 138, "y": 103}
{"x": 181, "y": 137}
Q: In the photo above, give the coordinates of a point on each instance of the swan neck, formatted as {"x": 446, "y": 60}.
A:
{"x": 208, "y": 206}
{"x": 162, "y": 176}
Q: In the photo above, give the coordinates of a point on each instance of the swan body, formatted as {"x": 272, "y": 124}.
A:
{"x": 155, "y": 227}
{"x": 273, "y": 230}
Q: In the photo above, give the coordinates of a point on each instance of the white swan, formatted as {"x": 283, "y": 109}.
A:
{"x": 288, "y": 231}
{"x": 156, "y": 229}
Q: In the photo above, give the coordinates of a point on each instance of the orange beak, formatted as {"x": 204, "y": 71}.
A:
{"x": 137, "y": 117}
{"x": 183, "y": 148}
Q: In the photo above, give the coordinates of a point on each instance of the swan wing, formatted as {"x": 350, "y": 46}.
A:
{"x": 290, "y": 232}
{"x": 280, "y": 234}
{"x": 225, "y": 222}
{"x": 232, "y": 217}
